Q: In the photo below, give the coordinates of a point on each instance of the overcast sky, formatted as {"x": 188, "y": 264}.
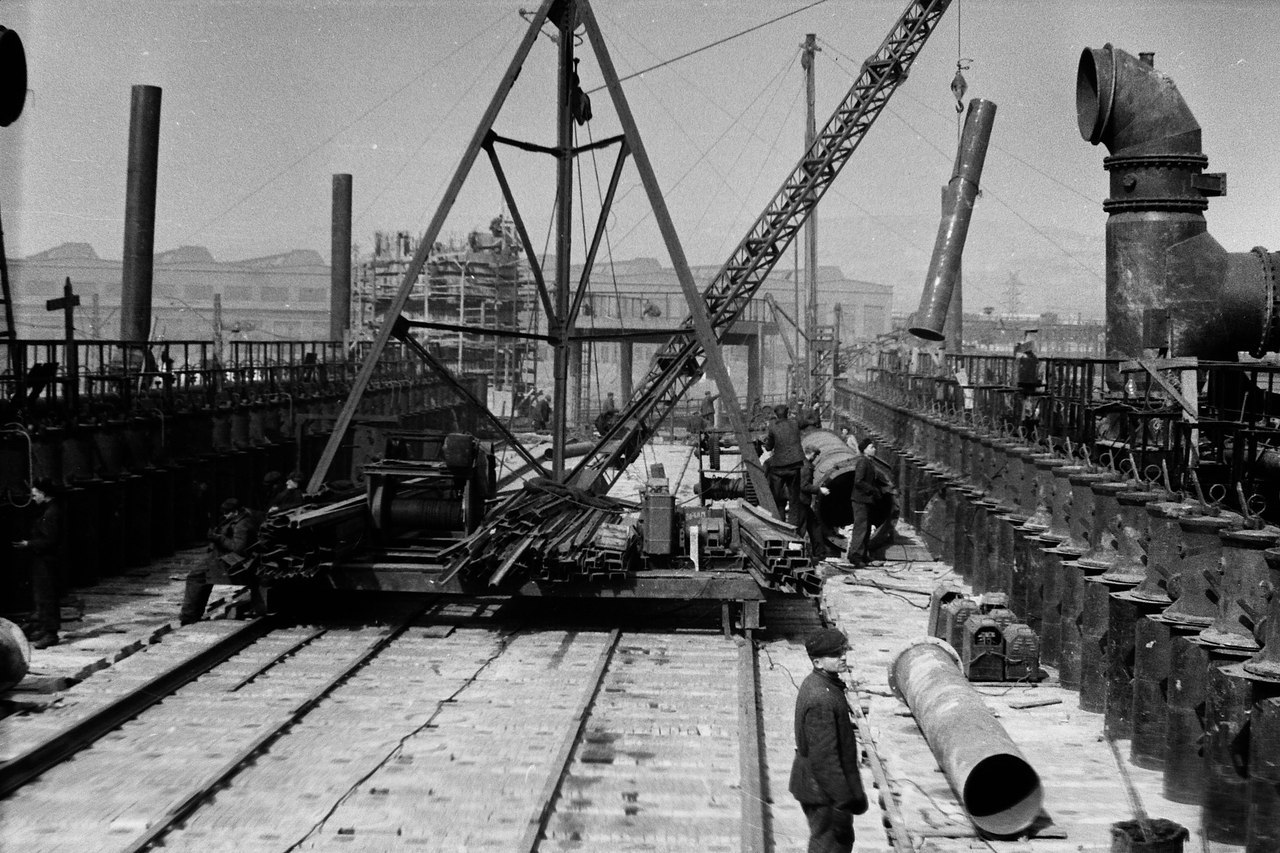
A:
{"x": 264, "y": 100}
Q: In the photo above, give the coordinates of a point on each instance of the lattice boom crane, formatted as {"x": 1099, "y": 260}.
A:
{"x": 679, "y": 364}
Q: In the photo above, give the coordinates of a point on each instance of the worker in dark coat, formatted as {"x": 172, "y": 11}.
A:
{"x": 868, "y": 487}
{"x": 229, "y": 542}
{"x": 289, "y": 497}
{"x": 707, "y": 410}
{"x": 608, "y": 414}
{"x": 825, "y": 778}
{"x": 811, "y": 495}
{"x": 783, "y": 439}
{"x": 44, "y": 544}
{"x": 541, "y": 412}
{"x": 272, "y": 485}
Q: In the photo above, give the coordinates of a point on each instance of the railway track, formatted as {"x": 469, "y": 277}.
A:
{"x": 464, "y": 726}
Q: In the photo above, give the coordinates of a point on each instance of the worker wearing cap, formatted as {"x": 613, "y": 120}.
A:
{"x": 868, "y": 487}
{"x": 825, "y": 778}
{"x": 783, "y": 439}
{"x": 232, "y": 537}
{"x": 289, "y": 497}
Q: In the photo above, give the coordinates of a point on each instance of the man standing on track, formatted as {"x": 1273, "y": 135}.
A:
{"x": 824, "y": 774}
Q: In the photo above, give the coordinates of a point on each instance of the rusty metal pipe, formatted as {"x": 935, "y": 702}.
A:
{"x": 834, "y": 469}
{"x": 998, "y": 788}
{"x": 1168, "y": 283}
{"x": 140, "y": 214}
{"x": 948, "y": 246}
{"x": 340, "y": 259}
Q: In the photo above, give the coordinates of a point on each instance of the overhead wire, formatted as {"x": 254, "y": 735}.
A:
{"x": 714, "y": 100}
{"x": 715, "y": 43}
{"x": 277, "y": 174}
{"x": 613, "y": 276}
{"x": 704, "y": 154}
{"x": 985, "y": 190}
{"x": 782, "y": 126}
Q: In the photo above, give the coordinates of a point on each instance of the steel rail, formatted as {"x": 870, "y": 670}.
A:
{"x": 220, "y": 776}
{"x": 564, "y": 757}
{"x": 17, "y": 771}
{"x": 897, "y": 824}
{"x": 278, "y": 658}
{"x": 755, "y": 813}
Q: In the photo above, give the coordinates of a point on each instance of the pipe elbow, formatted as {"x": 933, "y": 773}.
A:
{"x": 1127, "y": 105}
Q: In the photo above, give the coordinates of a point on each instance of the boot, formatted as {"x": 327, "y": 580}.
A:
{"x": 195, "y": 599}
{"x": 44, "y": 639}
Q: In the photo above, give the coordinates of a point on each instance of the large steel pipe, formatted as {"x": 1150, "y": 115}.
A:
{"x": 140, "y": 214}
{"x": 340, "y": 259}
{"x": 834, "y": 469}
{"x": 948, "y": 247}
{"x": 998, "y": 788}
{"x": 1159, "y": 253}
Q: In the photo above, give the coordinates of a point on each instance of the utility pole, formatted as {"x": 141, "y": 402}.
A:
{"x": 562, "y": 417}
{"x": 71, "y": 365}
{"x": 810, "y": 47}
{"x": 217, "y": 329}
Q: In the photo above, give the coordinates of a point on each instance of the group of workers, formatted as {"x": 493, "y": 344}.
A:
{"x": 798, "y": 495}
{"x": 230, "y": 538}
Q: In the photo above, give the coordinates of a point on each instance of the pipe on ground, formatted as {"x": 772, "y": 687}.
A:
{"x": 572, "y": 450}
{"x": 998, "y": 788}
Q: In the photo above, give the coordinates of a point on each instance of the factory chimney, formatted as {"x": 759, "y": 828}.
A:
{"x": 140, "y": 214}
{"x": 340, "y": 259}
{"x": 1169, "y": 283}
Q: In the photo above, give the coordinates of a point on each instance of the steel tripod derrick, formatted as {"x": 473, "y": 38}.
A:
{"x": 561, "y": 305}
{"x": 681, "y": 362}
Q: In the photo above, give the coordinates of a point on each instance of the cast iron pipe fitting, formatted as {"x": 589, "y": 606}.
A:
{"x": 1168, "y": 283}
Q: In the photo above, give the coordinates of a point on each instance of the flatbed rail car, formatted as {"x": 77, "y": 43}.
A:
{"x": 429, "y": 521}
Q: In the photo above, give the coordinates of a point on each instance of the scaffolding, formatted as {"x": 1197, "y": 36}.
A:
{"x": 482, "y": 282}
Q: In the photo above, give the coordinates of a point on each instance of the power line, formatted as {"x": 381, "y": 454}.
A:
{"x": 716, "y": 43}
{"x": 313, "y": 149}
{"x": 986, "y": 191}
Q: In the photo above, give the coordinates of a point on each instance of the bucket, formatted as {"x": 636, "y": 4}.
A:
{"x": 1160, "y": 836}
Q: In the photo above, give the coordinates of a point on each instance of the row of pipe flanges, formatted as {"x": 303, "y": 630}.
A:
{"x": 137, "y": 488}
{"x": 1159, "y": 609}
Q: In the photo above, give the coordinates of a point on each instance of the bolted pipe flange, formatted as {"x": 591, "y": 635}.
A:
{"x": 1270, "y": 341}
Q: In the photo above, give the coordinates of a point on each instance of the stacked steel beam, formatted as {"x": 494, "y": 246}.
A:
{"x": 551, "y": 533}
{"x": 774, "y": 549}
{"x": 296, "y": 545}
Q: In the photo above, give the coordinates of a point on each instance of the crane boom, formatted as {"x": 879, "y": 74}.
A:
{"x": 679, "y": 364}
